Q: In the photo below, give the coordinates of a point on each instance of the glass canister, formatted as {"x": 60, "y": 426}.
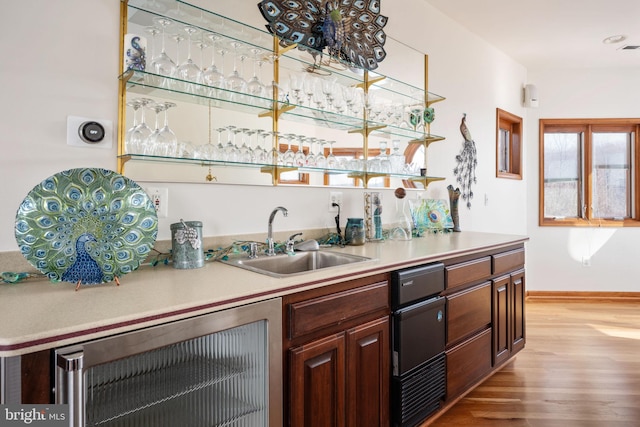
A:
{"x": 186, "y": 244}
{"x": 354, "y": 231}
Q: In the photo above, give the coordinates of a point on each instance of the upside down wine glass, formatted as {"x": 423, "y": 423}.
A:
{"x": 140, "y": 134}
{"x": 211, "y": 75}
{"x": 162, "y": 64}
{"x": 188, "y": 70}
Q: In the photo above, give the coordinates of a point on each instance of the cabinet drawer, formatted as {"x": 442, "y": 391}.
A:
{"x": 467, "y": 272}
{"x": 468, "y": 311}
{"x": 508, "y": 261}
{"x": 468, "y": 363}
{"x": 331, "y": 310}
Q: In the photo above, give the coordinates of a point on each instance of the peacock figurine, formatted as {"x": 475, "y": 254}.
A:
{"x": 466, "y": 162}
{"x": 84, "y": 270}
{"x": 136, "y": 57}
{"x": 351, "y": 30}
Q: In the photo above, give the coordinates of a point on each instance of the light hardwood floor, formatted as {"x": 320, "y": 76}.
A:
{"x": 580, "y": 368}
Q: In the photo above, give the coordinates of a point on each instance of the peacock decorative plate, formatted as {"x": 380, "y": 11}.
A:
{"x": 86, "y": 226}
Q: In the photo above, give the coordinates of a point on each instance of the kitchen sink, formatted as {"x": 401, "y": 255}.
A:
{"x": 300, "y": 262}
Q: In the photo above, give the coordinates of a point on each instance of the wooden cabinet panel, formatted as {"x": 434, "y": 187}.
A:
{"x": 517, "y": 315}
{"x": 317, "y": 383}
{"x": 501, "y": 326}
{"x": 508, "y": 261}
{"x": 36, "y": 377}
{"x": 468, "y": 311}
{"x": 467, "y": 363}
{"x": 368, "y": 373}
{"x": 468, "y": 272}
{"x": 318, "y": 313}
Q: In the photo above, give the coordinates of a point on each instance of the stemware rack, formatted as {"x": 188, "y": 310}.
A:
{"x": 276, "y": 106}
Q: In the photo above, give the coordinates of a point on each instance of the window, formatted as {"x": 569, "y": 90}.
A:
{"x": 589, "y": 172}
{"x": 508, "y": 145}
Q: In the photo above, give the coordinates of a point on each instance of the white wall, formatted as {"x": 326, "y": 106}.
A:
{"x": 555, "y": 254}
{"x": 58, "y": 64}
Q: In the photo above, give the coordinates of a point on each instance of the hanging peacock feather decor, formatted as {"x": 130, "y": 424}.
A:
{"x": 350, "y": 30}
{"x": 466, "y": 162}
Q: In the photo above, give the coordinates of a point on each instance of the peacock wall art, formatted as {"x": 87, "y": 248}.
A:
{"x": 350, "y": 30}
{"x": 466, "y": 162}
{"x": 86, "y": 226}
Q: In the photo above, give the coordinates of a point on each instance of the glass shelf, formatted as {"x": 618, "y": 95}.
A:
{"x": 148, "y": 84}
{"x": 267, "y": 166}
{"x": 380, "y": 90}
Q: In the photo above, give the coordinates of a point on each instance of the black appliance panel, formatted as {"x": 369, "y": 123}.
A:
{"x": 418, "y": 334}
{"x": 416, "y": 283}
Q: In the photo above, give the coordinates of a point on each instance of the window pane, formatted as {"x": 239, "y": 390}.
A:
{"x": 562, "y": 181}
{"x": 503, "y": 151}
{"x": 611, "y": 175}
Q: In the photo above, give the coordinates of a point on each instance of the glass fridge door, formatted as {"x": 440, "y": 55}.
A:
{"x": 222, "y": 378}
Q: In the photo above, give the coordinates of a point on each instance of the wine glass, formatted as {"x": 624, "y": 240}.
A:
{"x": 254, "y": 85}
{"x": 244, "y": 151}
{"x": 150, "y": 146}
{"x": 166, "y": 136}
{"x": 188, "y": 70}
{"x": 140, "y": 136}
{"x": 235, "y": 82}
{"x": 219, "y": 150}
{"x": 321, "y": 160}
{"x": 252, "y": 152}
{"x": 332, "y": 160}
{"x": 286, "y": 158}
{"x": 211, "y": 75}
{"x": 273, "y": 153}
{"x": 162, "y": 64}
{"x": 328, "y": 87}
{"x": 310, "y": 159}
{"x": 296, "y": 83}
{"x": 130, "y": 146}
{"x": 230, "y": 153}
{"x": 299, "y": 159}
{"x": 261, "y": 153}
{"x": 309, "y": 86}
{"x": 153, "y": 32}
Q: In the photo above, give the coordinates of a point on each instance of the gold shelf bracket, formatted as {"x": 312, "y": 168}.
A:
{"x": 366, "y": 130}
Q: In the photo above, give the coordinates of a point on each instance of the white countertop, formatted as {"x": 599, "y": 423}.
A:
{"x": 37, "y": 314}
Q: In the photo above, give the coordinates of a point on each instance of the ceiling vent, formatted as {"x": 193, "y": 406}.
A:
{"x": 630, "y": 47}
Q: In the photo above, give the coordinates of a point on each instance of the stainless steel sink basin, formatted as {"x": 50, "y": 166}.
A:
{"x": 288, "y": 265}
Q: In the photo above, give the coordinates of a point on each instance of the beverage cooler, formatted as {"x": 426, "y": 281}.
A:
{"x": 219, "y": 369}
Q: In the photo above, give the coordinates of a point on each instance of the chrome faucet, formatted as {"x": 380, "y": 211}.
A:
{"x": 271, "y": 250}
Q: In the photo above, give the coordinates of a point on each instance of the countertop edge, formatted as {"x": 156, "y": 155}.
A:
{"x": 43, "y": 341}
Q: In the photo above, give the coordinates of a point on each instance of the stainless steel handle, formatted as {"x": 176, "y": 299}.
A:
{"x": 70, "y": 387}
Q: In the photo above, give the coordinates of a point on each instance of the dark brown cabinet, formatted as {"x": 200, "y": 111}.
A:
{"x": 508, "y": 316}
{"x": 338, "y": 356}
{"x": 485, "y": 315}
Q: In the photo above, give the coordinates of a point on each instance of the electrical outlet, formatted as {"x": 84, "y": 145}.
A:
{"x": 335, "y": 197}
{"x": 160, "y": 198}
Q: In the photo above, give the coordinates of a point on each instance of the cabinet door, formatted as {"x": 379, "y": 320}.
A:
{"x": 517, "y": 312}
{"x": 468, "y": 312}
{"x": 501, "y": 324}
{"x": 368, "y": 372}
{"x": 467, "y": 363}
{"x": 317, "y": 383}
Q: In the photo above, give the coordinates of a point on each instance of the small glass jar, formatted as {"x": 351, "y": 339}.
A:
{"x": 354, "y": 232}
